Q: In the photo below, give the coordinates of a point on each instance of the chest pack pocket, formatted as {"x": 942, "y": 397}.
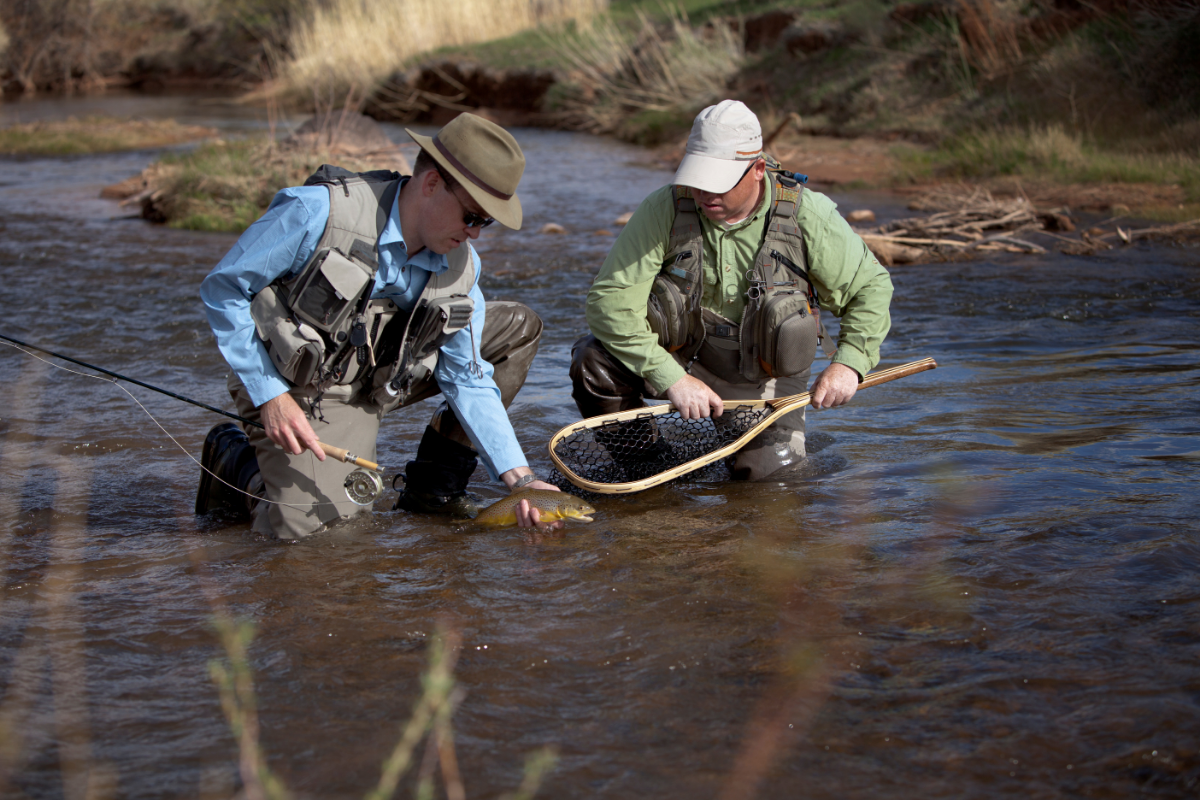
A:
{"x": 783, "y": 331}
{"x": 330, "y": 291}
{"x": 670, "y": 305}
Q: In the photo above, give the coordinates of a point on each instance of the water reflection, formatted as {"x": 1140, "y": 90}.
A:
{"x": 981, "y": 583}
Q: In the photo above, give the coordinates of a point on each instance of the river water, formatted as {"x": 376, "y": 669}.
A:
{"x": 982, "y": 583}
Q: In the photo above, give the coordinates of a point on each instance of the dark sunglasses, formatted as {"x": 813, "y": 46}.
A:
{"x": 470, "y": 218}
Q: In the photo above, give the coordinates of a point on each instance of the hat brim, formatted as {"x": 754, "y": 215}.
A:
{"x": 506, "y": 212}
{"x": 716, "y": 175}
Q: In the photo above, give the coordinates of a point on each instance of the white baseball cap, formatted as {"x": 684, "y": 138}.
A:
{"x": 725, "y": 140}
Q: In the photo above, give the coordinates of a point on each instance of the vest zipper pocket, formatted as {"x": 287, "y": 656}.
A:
{"x": 331, "y": 292}
{"x": 668, "y": 314}
{"x": 787, "y": 335}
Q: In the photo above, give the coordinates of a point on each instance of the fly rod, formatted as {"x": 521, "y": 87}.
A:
{"x": 339, "y": 453}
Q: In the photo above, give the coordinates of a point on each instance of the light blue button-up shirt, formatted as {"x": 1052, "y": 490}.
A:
{"x": 281, "y": 242}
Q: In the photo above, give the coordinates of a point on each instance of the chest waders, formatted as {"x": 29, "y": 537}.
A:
{"x": 321, "y": 327}
{"x": 781, "y": 325}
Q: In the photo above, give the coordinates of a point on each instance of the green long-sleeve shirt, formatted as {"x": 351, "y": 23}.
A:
{"x": 848, "y": 279}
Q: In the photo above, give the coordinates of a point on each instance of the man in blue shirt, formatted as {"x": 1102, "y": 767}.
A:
{"x": 320, "y": 352}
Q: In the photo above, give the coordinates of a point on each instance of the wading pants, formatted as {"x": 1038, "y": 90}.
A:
{"x": 602, "y": 385}
{"x": 306, "y": 494}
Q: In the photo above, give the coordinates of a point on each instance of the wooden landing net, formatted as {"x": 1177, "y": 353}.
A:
{"x": 630, "y": 451}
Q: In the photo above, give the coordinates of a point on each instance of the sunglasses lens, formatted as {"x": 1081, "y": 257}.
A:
{"x": 470, "y": 218}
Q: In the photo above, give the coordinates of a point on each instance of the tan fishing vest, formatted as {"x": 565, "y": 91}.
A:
{"x": 781, "y": 326}
{"x": 321, "y": 327}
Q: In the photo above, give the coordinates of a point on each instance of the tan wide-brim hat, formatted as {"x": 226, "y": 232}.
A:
{"x": 485, "y": 159}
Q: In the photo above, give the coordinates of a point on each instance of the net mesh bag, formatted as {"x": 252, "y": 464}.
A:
{"x": 636, "y": 449}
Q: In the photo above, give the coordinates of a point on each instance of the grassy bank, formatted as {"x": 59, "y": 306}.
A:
{"x": 225, "y": 186}
{"x": 96, "y": 135}
{"x": 1052, "y": 153}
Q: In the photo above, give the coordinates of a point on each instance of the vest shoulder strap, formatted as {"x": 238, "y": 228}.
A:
{"x": 359, "y": 207}
{"x": 686, "y": 226}
{"x": 458, "y": 277}
{"x": 785, "y": 206}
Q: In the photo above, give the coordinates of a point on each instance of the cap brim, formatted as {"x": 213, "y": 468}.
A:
{"x": 717, "y": 175}
{"x": 506, "y": 212}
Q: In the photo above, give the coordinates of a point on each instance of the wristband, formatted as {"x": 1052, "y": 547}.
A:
{"x": 524, "y": 480}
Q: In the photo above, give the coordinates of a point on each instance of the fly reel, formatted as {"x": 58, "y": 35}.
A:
{"x": 363, "y": 487}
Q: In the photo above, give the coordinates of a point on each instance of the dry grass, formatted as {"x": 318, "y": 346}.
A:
{"x": 989, "y": 34}
{"x": 430, "y": 721}
{"x": 96, "y": 135}
{"x": 651, "y": 80}
{"x": 349, "y": 44}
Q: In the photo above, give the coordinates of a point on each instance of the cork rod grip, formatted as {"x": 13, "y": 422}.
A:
{"x": 345, "y": 455}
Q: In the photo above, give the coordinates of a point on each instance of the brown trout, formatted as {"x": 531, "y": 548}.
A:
{"x": 552, "y": 505}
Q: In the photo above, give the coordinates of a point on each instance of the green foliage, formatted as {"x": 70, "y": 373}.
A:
{"x": 654, "y": 127}
{"x": 266, "y": 19}
{"x": 220, "y": 186}
{"x": 1156, "y": 48}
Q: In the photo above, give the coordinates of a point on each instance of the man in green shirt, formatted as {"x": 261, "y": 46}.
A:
{"x": 736, "y": 245}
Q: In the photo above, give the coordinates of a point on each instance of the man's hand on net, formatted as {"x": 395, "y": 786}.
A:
{"x": 288, "y": 427}
{"x": 834, "y": 387}
{"x": 694, "y": 399}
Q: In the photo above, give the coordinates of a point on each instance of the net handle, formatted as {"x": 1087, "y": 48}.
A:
{"x": 872, "y": 379}
{"x": 781, "y": 405}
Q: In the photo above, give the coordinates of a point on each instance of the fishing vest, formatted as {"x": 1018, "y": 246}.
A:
{"x": 781, "y": 326}
{"x": 320, "y": 325}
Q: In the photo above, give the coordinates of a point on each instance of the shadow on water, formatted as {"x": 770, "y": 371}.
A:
{"x": 981, "y": 583}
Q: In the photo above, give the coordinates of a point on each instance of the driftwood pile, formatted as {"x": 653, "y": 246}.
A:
{"x": 962, "y": 223}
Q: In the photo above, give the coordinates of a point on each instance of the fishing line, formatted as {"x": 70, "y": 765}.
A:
{"x": 19, "y": 346}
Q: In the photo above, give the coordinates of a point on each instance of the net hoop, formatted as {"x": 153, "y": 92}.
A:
{"x": 780, "y": 406}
